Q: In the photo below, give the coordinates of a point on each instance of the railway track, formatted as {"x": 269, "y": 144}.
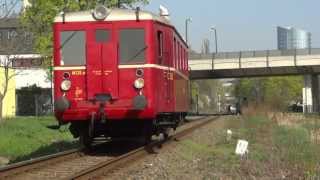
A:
{"x": 121, "y": 161}
{"x": 34, "y": 164}
{"x": 75, "y": 164}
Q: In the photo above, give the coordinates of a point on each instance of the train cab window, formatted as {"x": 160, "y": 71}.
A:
{"x": 160, "y": 45}
{"x": 72, "y": 48}
{"x": 132, "y": 46}
{"x": 102, "y": 35}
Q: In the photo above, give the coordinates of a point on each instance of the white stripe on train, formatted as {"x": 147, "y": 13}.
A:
{"x": 156, "y": 66}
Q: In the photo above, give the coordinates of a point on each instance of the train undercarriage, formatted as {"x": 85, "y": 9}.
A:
{"x": 143, "y": 129}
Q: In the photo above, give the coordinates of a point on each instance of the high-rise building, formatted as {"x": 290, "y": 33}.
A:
{"x": 205, "y": 48}
{"x": 292, "y": 38}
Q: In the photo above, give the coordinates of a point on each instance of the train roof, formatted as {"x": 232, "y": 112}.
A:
{"x": 116, "y": 14}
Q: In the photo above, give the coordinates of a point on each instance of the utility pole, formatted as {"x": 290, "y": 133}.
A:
{"x": 188, "y": 20}
{"x": 215, "y": 37}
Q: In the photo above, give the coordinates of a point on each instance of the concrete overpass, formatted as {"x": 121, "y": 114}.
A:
{"x": 263, "y": 63}
{"x": 254, "y": 63}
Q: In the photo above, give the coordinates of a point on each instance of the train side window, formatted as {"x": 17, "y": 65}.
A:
{"x": 179, "y": 57}
{"x": 72, "y": 48}
{"x": 181, "y": 50}
{"x": 186, "y": 59}
{"x": 132, "y": 46}
{"x": 183, "y": 59}
{"x": 160, "y": 45}
{"x": 174, "y": 53}
{"x": 102, "y": 35}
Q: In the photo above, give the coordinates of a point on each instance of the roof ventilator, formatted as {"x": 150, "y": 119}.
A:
{"x": 100, "y": 13}
{"x": 164, "y": 12}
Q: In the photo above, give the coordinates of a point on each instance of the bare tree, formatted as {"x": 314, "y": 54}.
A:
{"x": 8, "y": 8}
{"x": 12, "y": 43}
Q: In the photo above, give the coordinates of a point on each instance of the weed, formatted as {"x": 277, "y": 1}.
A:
{"x": 273, "y": 147}
{"x": 192, "y": 149}
{"x": 294, "y": 146}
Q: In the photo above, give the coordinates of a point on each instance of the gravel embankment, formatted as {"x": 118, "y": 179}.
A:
{"x": 178, "y": 161}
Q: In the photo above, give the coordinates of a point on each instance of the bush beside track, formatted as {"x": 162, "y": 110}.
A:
{"x": 23, "y": 138}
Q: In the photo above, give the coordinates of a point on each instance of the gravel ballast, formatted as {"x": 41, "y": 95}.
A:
{"x": 177, "y": 161}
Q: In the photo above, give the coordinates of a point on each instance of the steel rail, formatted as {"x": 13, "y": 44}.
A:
{"x": 125, "y": 159}
{"x": 25, "y": 166}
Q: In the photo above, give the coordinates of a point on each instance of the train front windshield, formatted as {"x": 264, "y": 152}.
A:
{"x": 72, "y": 48}
{"x": 132, "y": 46}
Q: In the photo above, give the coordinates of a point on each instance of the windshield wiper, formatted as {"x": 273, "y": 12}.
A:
{"x": 68, "y": 39}
{"x": 138, "y": 53}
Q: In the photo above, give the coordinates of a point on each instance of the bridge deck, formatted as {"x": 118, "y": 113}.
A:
{"x": 223, "y": 65}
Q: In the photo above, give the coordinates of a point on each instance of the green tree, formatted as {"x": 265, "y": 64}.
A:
{"x": 38, "y": 18}
{"x": 277, "y": 92}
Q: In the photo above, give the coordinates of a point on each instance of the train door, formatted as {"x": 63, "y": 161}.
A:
{"x": 164, "y": 55}
{"x": 102, "y": 64}
{"x": 170, "y": 72}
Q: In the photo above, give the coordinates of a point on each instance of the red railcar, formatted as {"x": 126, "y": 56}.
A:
{"x": 119, "y": 73}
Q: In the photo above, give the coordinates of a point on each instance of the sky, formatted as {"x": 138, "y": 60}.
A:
{"x": 241, "y": 24}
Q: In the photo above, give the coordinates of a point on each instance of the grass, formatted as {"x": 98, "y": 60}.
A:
{"x": 23, "y": 138}
{"x": 275, "y": 150}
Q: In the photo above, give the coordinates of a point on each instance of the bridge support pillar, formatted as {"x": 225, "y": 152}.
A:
{"x": 311, "y": 94}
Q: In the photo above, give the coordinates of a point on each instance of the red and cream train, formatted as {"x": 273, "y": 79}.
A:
{"x": 119, "y": 73}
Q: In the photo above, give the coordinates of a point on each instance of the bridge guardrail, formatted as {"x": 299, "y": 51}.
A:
{"x": 248, "y": 54}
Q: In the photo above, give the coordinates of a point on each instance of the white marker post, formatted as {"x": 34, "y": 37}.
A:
{"x": 229, "y": 135}
{"x": 242, "y": 147}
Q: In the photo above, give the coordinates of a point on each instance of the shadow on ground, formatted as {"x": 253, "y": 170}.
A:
{"x": 53, "y": 127}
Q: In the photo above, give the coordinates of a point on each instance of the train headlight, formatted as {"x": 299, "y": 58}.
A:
{"x": 139, "y": 83}
{"x": 100, "y": 12}
{"x": 65, "y": 85}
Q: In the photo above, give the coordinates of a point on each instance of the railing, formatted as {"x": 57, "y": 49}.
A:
{"x": 248, "y": 54}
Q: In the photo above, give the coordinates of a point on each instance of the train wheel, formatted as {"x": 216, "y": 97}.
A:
{"x": 166, "y": 133}
{"x": 147, "y": 133}
{"x": 86, "y": 140}
{"x": 86, "y": 135}
{"x": 147, "y": 139}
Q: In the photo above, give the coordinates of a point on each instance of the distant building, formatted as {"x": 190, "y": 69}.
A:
{"x": 205, "y": 48}
{"x": 292, "y": 38}
{"x": 30, "y": 90}
{"x": 11, "y": 34}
